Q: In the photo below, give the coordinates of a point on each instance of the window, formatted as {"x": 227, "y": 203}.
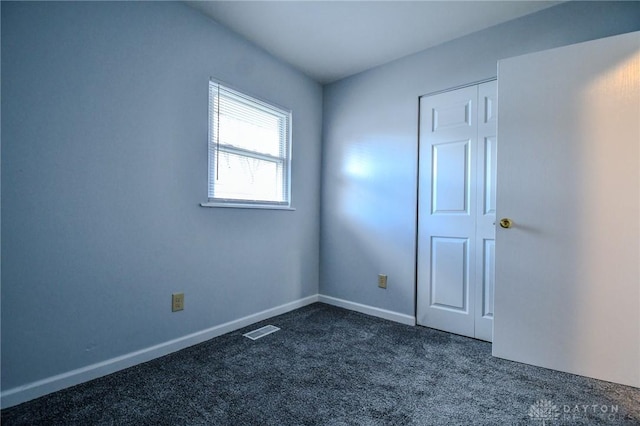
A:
{"x": 249, "y": 151}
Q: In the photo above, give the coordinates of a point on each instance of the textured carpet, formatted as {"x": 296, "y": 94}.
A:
{"x": 330, "y": 366}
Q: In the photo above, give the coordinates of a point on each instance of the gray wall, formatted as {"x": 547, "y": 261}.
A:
{"x": 104, "y": 164}
{"x": 370, "y": 144}
{"x": 104, "y": 132}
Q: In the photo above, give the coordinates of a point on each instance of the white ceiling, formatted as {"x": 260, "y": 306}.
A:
{"x": 330, "y": 40}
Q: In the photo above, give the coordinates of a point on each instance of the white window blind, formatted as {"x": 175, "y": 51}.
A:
{"x": 249, "y": 149}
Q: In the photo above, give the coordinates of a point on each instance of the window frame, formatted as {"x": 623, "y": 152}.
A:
{"x": 215, "y": 148}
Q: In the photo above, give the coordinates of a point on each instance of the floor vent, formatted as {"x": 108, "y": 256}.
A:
{"x": 261, "y": 332}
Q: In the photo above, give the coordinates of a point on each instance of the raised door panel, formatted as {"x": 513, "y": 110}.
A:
{"x": 488, "y": 278}
{"x": 452, "y": 115}
{"x": 485, "y": 290}
{"x": 489, "y": 171}
{"x": 449, "y": 274}
{"x": 450, "y": 178}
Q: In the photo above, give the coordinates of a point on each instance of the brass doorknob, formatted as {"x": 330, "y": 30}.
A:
{"x": 505, "y": 222}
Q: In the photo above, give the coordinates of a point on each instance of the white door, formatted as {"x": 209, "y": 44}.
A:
{"x": 457, "y": 210}
{"x": 486, "y": 209}
{"x": 567, "y": 293}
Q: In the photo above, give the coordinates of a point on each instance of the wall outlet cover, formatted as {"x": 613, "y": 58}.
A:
{"x": 382, "y": 281}
{"x": 177, "y": 302}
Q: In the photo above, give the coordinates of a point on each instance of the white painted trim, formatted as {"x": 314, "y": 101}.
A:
{"x": 369, "y": 310}
{"x": 43, "y": 387}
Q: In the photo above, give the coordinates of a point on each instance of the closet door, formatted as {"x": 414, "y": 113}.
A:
{"x": 446, "y": 212}
{"x": 486, "y": 209}
{"x": 456, "y": 214}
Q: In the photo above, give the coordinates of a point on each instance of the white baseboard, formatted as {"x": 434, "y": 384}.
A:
{"x": 40, "y": 388}
{"x": 43, "y": 387}
{"x": 369, "y": 310}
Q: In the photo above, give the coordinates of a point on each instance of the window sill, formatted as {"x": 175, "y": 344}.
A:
{"x": 246, "y": 206}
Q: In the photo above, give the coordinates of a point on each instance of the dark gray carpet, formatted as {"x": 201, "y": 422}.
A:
{"x": 329, "y": 366}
